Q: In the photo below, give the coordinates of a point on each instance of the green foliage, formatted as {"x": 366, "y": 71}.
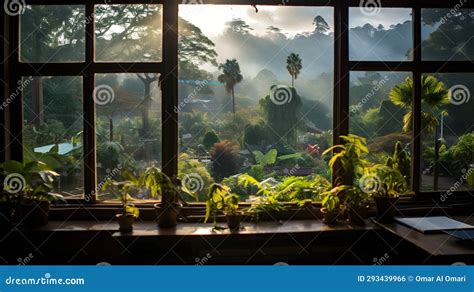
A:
{"x": 331, "y": 199}
{"x": 400, "y": 161}
{"x": 220, "y": 199}
{"x": 283, "y": 119}
{"x": 210, "y": 138}
{"x": 230, "y": 76}
{"x": 349, "y": 155}
{"x": 160, "y": 185}
{"x": 255, "y": 135}
{"x": 434, "y": 96}
{"x": 389, "y": 182}
{"x": 192, "y": 167}
{"x": 462, "y": 153}
{"x": 224, "y": 160}
{"x": 294, "y": 66}
{"x": 28, "y": 181}
{"x": 123, "y": 190}
{"x": 266, "y": 159}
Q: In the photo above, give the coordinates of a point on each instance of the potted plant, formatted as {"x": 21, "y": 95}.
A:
{"x": 356, "y": 204}
{"x": 162, "y": 186}
{"x": 128, "y": 212}
{"x": 392, "y": 185}
{"x": 331, "y": 205}
{"x": 29, "y": 187}
{"x": 349, "y": 156}
{"x": 221, "y": 199}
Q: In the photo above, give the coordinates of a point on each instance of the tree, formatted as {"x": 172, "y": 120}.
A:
{"x": 282, "y": 118}
{"x": 294, "y": 66}
{"x": 230, "y": 77}
{"x": 320, "y": 25}
{"x": 210, "y": 138}
{"x": 434, "y": 95}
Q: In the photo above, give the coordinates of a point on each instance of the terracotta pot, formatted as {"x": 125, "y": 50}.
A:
{"x": 34, "y": 213}
{"x": 167, "y": 214}
{"x": 386, "y": 209}
{"x": 233, "y": 220}
{"x": 329, "y": 218}
{"x": 357, "y": 215}
{"x": 125, "y": 222}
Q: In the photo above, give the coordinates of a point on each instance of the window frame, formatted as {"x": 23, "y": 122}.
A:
{"x": 13, "y": 70}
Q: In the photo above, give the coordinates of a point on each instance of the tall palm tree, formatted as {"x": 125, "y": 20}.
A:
{"x": 294, "y": 66}
{"x": 434, "y": 95}
{"x": 230, "y": 77}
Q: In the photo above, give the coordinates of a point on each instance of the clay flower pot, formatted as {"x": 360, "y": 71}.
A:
{"x": 233, "y": 220}
{"x": 125, "y": 222}
{"x": 167, "y": 214}
{"x": 329, "y": 217}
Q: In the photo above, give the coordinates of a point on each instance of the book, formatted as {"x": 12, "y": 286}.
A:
{"x": 433, "y": 224}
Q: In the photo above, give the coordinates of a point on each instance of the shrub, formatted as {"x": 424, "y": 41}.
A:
{"x": 224, "y": 160}
{"x": 255, "y": 135}
{"x": 210, "y": 138}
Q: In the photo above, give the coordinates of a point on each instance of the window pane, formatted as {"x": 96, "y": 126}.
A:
{"x": 447, "y": 34}
{"x": 128, "y": 33}
{"x": 52, "y": 33}
{"x": 377, "y": 112}
{"x": 448, "y": 118}
{"x": 128, "y": 125}
{"x": 380, "y": 34}
{"x": 243, "y": 54}
{"x": 53, "y": 128}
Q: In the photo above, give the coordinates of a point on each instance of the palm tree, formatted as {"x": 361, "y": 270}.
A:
{"x": 294, "y": 66}
{"x": 230, "y": 77}
{"x": 434, "y": 95}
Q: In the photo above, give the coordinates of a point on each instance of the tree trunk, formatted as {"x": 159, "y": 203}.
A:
{"x": 111, "y": 128}
{"x": 292, "y": 80}
{"x": 37, "y": 99}
{"x": 146, "y": 110}
{"x": 233, "y": 101}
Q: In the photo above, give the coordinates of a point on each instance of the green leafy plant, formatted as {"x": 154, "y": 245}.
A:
{"x": 400, "y": 161}
{"x": 349, "y": 155}
{"x": 123, "y": 190}
{"x": 33, "y": 182}
{"x": 389, "y": 182}
{"x": 162, "y": 186}
{"x": 219, "y": 199}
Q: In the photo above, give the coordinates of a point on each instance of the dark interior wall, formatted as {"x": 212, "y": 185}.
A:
{"x": 93, "y": 247}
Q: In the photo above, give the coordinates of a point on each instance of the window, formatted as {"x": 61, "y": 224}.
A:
{"x": 377, "y": 115}
{"x": 381, "y": 34}
{"x": 447, "y": 133}
{"x": 52, "y": 130}
{"x": 260, "y": 84}
{"x": 52, "y": 33}
{"x": 167, "y": 69}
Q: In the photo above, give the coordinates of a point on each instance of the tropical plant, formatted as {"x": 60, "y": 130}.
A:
{"x": 30, "y": 181}
{"x": 224, "y": 160}
{"x": 123, "y": 190}
{"x": 230, "y": 77}
{"x": 349, "y": 155}
{"x": 387, "y": 182}
{"x": 400, "y": 161}
{"x": 294, "y": 66}
{"x": 282, "y": 114}
{"x": 433, "y": 96}
{"x": 162, "y": 186}
{"x": 219, "y": 199}
{"x": 266, "y": 159}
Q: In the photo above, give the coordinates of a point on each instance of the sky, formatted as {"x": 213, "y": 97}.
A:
{"x": 292, "y": 20}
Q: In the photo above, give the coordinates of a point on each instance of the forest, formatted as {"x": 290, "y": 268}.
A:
{"x": 251, "y": 101}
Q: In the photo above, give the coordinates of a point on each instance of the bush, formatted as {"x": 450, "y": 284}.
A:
{"x": 210, "y": 138}
{"x": 255, "y": 135}
{"x": 462, "y": 153}
{"x": 224, "y": 160}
